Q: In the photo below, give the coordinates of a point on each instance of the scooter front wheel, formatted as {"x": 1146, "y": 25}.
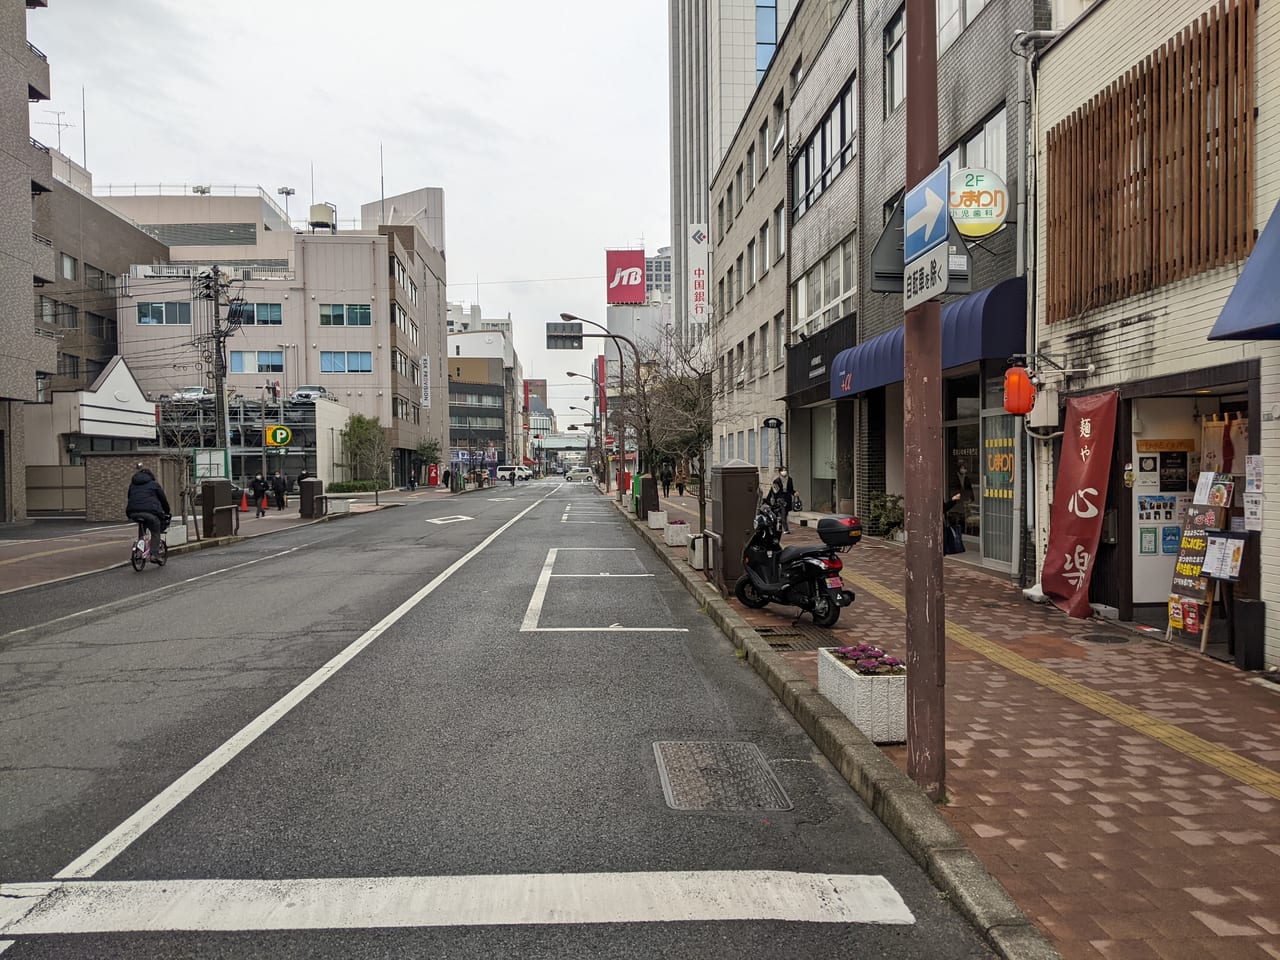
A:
{"x": 747, "y": 593}
{"x": 825, "y": 609}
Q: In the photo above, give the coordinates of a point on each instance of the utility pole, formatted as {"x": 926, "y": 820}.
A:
{"x": 213, "y": 286}
{"x": 926, "y": 608}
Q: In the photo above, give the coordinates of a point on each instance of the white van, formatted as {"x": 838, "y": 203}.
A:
{"x": 578, "y": 475}
{"x": 522, "y": 472}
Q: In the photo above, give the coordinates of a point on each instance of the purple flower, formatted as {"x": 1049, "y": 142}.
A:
{"x": 891, "y": 662}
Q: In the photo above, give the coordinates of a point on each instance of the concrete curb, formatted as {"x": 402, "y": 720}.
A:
{"x": 889, "y": 793}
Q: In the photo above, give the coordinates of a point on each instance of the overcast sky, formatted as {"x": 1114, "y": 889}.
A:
{"x": 545, "y": 123}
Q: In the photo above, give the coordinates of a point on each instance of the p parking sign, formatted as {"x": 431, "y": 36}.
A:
{"x": 278, "y": 436}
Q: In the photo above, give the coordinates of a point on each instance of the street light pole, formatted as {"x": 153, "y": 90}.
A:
{"x": 595, "y": 405}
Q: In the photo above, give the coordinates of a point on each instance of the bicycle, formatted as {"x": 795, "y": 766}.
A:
{"x": 141, "y": 551}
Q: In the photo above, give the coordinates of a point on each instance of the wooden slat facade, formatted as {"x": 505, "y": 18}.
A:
{"x": 1151, "y": 181}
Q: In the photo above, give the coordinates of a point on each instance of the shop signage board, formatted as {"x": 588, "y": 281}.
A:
{"x": 1193, "y": 586}
{"x": 979, "y": 201}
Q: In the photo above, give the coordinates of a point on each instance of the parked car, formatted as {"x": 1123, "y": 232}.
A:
{"x": 577, "y": 474}
{"x": 521, "y": 472}
{"x": 310, "y": 393}
{"x": 192, "y": 395}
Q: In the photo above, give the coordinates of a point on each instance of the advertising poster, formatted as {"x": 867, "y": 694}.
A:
{"x": 1253, "y": 473}
{"x": 1173, "y": 471}
{"x": 1154, "y": 507}
{"x": 1148, "y": 471}
{"x": 1253, "y": 511}
{"x": 1189, "y": 579}
{"x": 1170, "y": 539}
{"x": 1147, "y": 540}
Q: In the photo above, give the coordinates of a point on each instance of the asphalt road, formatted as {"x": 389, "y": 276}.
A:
{"x": 476, "y": 727}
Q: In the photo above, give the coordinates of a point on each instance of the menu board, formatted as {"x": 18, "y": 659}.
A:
{"x": 1189, "y": 579}
{"x": 1223, "y": 556}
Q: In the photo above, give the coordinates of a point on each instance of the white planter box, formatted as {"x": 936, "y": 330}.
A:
{"x": 176, "y": 535}
{"x": 876, "y": 705}
{"x": 657, "y": 519}
{"x": 339, "y": 506}
{"x": 697, "y": 551}
{"x": 676, "y": 534}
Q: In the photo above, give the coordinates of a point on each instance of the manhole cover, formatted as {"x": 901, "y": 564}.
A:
{"x": 1105, "y": 638}
{"x": 712, "y": 775}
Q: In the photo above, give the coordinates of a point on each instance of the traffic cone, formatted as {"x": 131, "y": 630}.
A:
{"x": 244, "y": 501}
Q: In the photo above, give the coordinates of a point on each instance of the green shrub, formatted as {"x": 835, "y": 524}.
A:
{"x": 357, "y": 486}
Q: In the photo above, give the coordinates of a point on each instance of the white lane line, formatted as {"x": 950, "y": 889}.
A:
{"x": 5, "y": 945}
{"x": 364, "y": 903}
{"x": 110, "y": 846}
{"x": 533, "y": 612}
{"x": 133, "y": 599}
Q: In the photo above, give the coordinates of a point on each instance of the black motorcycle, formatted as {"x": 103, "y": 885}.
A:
{"x": 804, "y": 577}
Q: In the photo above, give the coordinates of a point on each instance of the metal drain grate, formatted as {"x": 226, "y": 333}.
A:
{"x": 714, "y": 775}
{"x": 1110, "y": 638}
{"x": 797, "y": 636}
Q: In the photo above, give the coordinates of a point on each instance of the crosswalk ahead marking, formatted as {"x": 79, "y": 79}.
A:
{"x": 365, "y": 903}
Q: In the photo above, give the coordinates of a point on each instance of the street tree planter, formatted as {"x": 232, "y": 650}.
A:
{"x": 876, "y": 704}
{"x": 676, "y": 534}
{"x": 657, "y": 519}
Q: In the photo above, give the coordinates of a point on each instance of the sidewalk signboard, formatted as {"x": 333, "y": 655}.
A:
{"x": 1206, "y": 554}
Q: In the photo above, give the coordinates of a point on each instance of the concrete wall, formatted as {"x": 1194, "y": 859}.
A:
{"x": 107, "y": 477}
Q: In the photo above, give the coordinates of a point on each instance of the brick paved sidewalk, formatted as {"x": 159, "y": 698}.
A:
{"x": 1126, "y": 796}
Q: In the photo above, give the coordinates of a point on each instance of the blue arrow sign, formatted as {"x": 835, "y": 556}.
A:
{"x": 925, "y": 212}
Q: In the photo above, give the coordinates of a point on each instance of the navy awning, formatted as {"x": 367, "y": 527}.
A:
{"x": 1252, "y": 312}
{"x": 988, "y": 324}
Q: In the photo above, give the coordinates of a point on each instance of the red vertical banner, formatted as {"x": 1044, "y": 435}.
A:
{"x": 1076, "y": 524}
{"x": 603, "y": 398}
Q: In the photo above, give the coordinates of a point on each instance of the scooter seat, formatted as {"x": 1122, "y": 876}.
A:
{"x": 790, "y": 554}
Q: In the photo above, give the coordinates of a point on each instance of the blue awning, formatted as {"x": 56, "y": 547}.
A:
{"x": 989, "y": 324}
{"x": 1252, "y": 312}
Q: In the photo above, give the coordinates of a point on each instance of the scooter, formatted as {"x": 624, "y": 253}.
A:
{"x": 804, "y": 577}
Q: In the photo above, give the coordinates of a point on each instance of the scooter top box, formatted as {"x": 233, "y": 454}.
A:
{"x": 840, "y": 531}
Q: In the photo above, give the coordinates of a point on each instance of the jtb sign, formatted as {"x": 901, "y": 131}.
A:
{"x": 624, "y": 271}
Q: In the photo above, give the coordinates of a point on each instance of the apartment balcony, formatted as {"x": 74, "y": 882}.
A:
{"x": 36, "y": 69}
{"x": 44, "y": 266}
{"x": 41, "y": 164}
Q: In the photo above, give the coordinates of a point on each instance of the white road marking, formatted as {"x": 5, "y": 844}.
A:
{"x": 5, "y": 945}
{"x": 134, "y": 598}
{"x": 110, "y": 846}
{"x": 533, "y": 613}
{"x": 364, "y": 903}
{"x": 447, "y": 519}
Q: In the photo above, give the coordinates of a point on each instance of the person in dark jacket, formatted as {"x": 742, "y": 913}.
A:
{"x": 258, "y": 487}
{"x": 279, "y": 486}
{"x": 781, "y": 497}
{"x": 147, "y": 503}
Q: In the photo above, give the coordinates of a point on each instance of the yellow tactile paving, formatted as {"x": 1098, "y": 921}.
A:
{"x": 1233, "y": 765}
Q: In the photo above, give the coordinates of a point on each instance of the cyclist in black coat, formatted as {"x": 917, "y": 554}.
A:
{"x": 147, "y": 503}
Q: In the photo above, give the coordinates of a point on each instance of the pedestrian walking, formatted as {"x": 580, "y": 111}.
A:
{"x": 413, "y": 480}
{"x": 444, "y": 478}
{"x": 667, "y": 476}
{"x": 279, "y": 486}
{"x": 258, "y": 486}
{"x": 681, "y": 480}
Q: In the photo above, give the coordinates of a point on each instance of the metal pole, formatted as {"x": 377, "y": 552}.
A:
{"x": 262, "y": 408}
{"x": 926, "y": 634}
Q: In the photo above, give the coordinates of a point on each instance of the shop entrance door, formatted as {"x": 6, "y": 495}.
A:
{"x": 998, "y": 462}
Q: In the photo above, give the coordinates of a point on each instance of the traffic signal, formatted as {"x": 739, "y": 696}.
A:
{"x": 564, "y": 336}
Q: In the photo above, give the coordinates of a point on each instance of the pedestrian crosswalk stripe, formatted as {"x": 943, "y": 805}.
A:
{"x": 135, "y": 906}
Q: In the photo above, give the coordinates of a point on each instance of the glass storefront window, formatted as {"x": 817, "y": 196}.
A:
{"x": 960, "y": 399}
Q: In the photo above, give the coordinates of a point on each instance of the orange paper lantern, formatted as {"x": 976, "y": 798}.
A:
{"x": 1019, "y": 391}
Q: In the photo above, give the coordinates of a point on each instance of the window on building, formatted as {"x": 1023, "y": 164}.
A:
{"x": 797, "y": 71}
{"x": 268, "y": 314}
{"x": 953, "y": 17}
{"x": 345, "y": 314}
{"x": 94, "y": 278}
{"x": 750, "y": 167}
{"x": 95, "y": 325}
{"x": 895, "y": 61}
{"x": 737, "y": 290}
{"x": 68, "y": 365}
{"x": 763, "y": 339}
{"x": 69, "y": 265}
{"x": 751, "y": 264}
{"x": 68, "y": 316}
{"x": 47, "y": 310}
{"x": 830, "y": 148}
{"x": 986, "y": 146}
{"x": 729, "y": 300}
{"x": 257, "y": 361}
{"x": 728, "y": 206}
{"x": 720, "y": 220}
{"x": 762, "y": 147}
{"x": 780, "y": 229}
{"x": 827, "y": 291}
{"x": 751, "y": 357}
{"x": 738, "y": 186}
{"x": 739, "y": 362}
{"x": 729, "y": 378}
{"x": 779, "y": 124}
{"x": 164, "y": 313}
{"x": 766, "y": 35}
{"x": 779, "y": 340}
{"x": 720, "y": 304}
{"x": 764, "y": 248}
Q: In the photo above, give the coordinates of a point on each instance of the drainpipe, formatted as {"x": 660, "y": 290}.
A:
{"x": 1024, "y": 500}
